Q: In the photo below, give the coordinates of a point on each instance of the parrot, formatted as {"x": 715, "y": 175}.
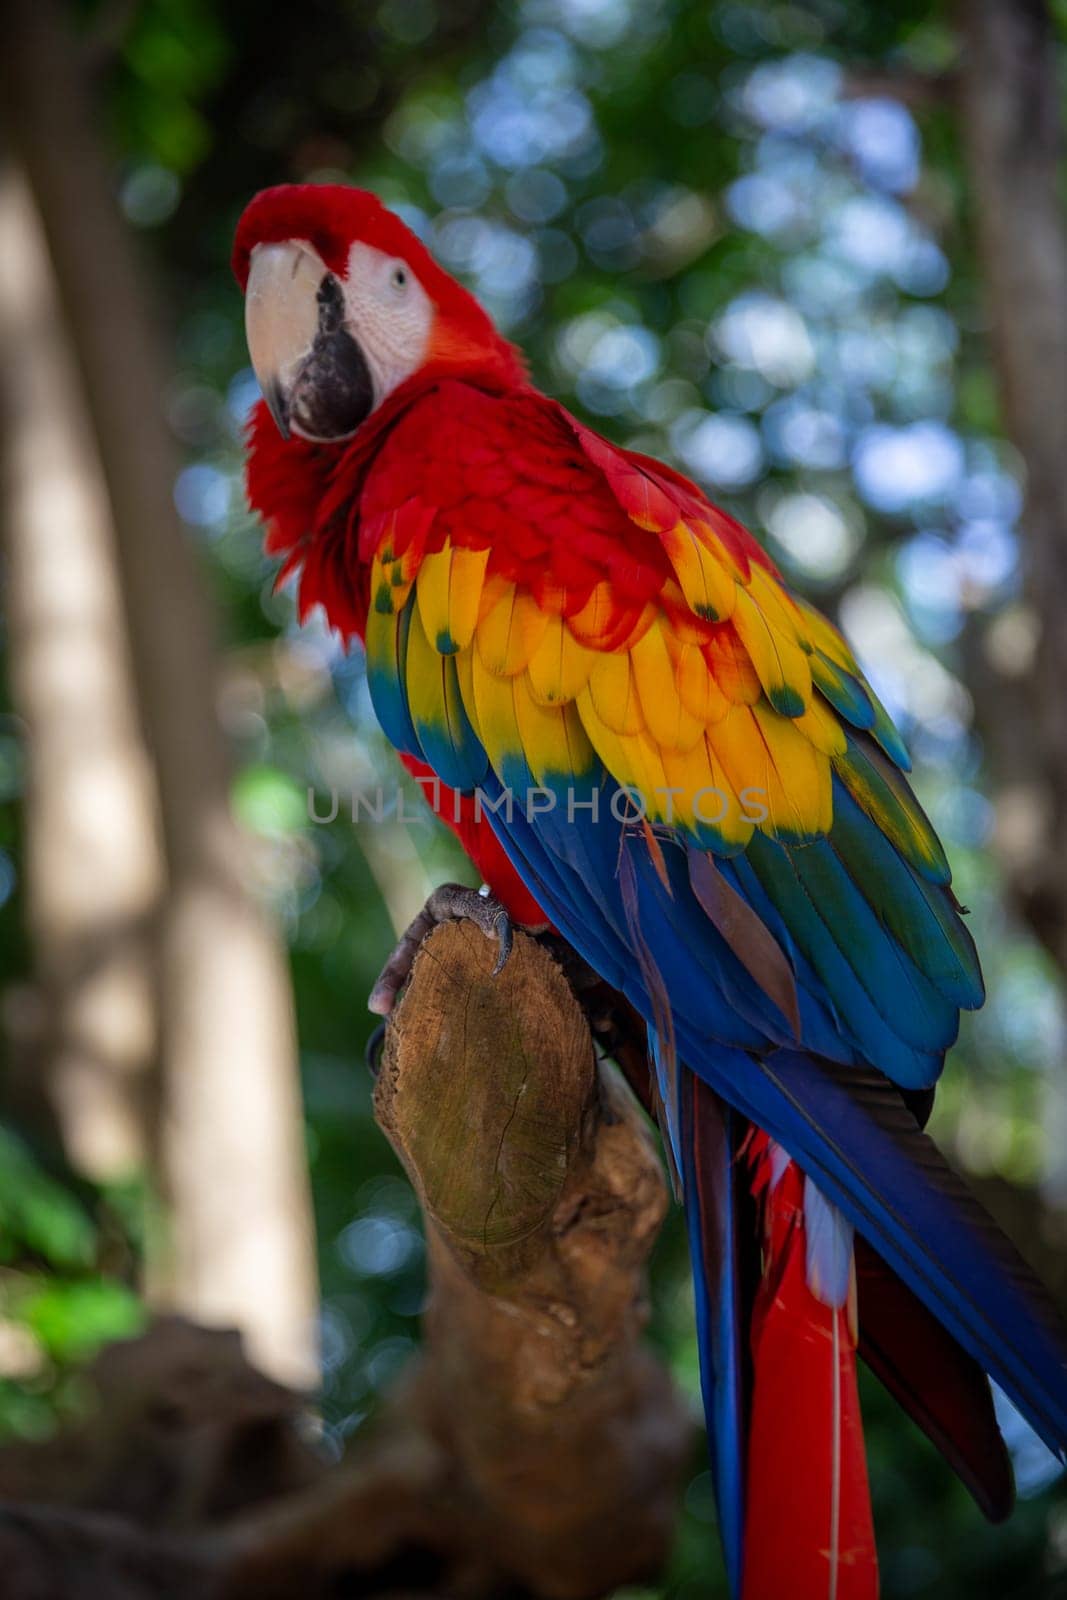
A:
{"x": 652, "y": 746}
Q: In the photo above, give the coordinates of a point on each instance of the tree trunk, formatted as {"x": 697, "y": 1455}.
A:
{"x": 83, "y": 1036}
{"x": 231, "y": 1132}
{"x": 1014, "y": 141}
{"x": 1013, "y": 134}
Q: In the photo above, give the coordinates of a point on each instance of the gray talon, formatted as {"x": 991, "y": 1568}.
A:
{"x": 452, "y": 902}
{"x": 503, "y": 933}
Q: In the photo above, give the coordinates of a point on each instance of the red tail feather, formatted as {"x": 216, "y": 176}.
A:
{"x": 809, "y": 1532}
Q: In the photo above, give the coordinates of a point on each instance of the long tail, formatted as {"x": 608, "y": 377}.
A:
{"x": 781, "y": 1284}
{"x": 776, "y": 1302}
{"x": 852, "y": 1133}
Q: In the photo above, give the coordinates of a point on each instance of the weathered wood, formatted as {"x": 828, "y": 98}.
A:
{"x": 543, "y": 1195}
{"x": 486, "y": 1088}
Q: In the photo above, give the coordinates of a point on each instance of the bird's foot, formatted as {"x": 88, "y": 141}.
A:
{"x": 452, "y": 902}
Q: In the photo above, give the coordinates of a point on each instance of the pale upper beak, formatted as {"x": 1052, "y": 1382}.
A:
{"x": 309, "y": 366}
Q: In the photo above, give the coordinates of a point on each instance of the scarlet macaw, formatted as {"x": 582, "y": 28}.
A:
{"x": 658, "y": 749}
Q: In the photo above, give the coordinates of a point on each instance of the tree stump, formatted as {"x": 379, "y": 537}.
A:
{"x": 543, "y": 1195}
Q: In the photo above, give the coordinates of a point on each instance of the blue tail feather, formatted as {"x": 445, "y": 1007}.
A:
{"x": 722, "y": 1239}
{"x": 852, "y": 1132}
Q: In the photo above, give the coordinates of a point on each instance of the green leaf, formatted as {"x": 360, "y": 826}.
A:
{"x": 37, "y": 1214}
{"x": 72, "y": 1320}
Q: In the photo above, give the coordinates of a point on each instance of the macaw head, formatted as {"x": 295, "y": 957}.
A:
{"x": 344, "y": 305}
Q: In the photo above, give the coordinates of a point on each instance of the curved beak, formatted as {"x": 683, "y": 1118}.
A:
{"x": 281, "y": 320}
{"x": 311, "y": 370}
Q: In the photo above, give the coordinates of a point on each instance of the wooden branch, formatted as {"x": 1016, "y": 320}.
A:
{"x": 543, "y": 1196}
{"x": 535, "y": 1444}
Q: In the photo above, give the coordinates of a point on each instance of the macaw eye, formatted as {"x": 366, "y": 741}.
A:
{"x": 398, "y": 278}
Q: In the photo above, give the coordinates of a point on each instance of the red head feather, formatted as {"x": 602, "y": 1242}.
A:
{"x": 331, "y": 217}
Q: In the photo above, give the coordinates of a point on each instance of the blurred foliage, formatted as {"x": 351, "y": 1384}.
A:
{"x": 716, "y": 244}
{"x": 60, "y": 1298}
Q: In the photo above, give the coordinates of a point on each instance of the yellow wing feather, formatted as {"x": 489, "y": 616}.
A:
{"x": 448, "y": 594}
{"x": 668, "y": 720}
{"x": 509, "y": 629}
{"x": 703, "y": 702}
{"x": 559, "y": 666}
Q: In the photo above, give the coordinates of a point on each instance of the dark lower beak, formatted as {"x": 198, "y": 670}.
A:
{"x": 332, "y": 392}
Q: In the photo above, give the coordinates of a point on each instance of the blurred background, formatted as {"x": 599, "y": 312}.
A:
{"x": 801, "y": 251}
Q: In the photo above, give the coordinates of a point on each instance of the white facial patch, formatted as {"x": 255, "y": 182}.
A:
{"x": 389, "y": 313}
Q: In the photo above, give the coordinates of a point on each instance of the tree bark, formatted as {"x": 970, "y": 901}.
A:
{"x": 1014, "y": 141}
{"x": 543, "y": 1195}
{"x": 232, "y": 1146}
{"x": 1013, "y": 137}
{"x": 535, "y": 1445}
{"x": 83, "y": 1034}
